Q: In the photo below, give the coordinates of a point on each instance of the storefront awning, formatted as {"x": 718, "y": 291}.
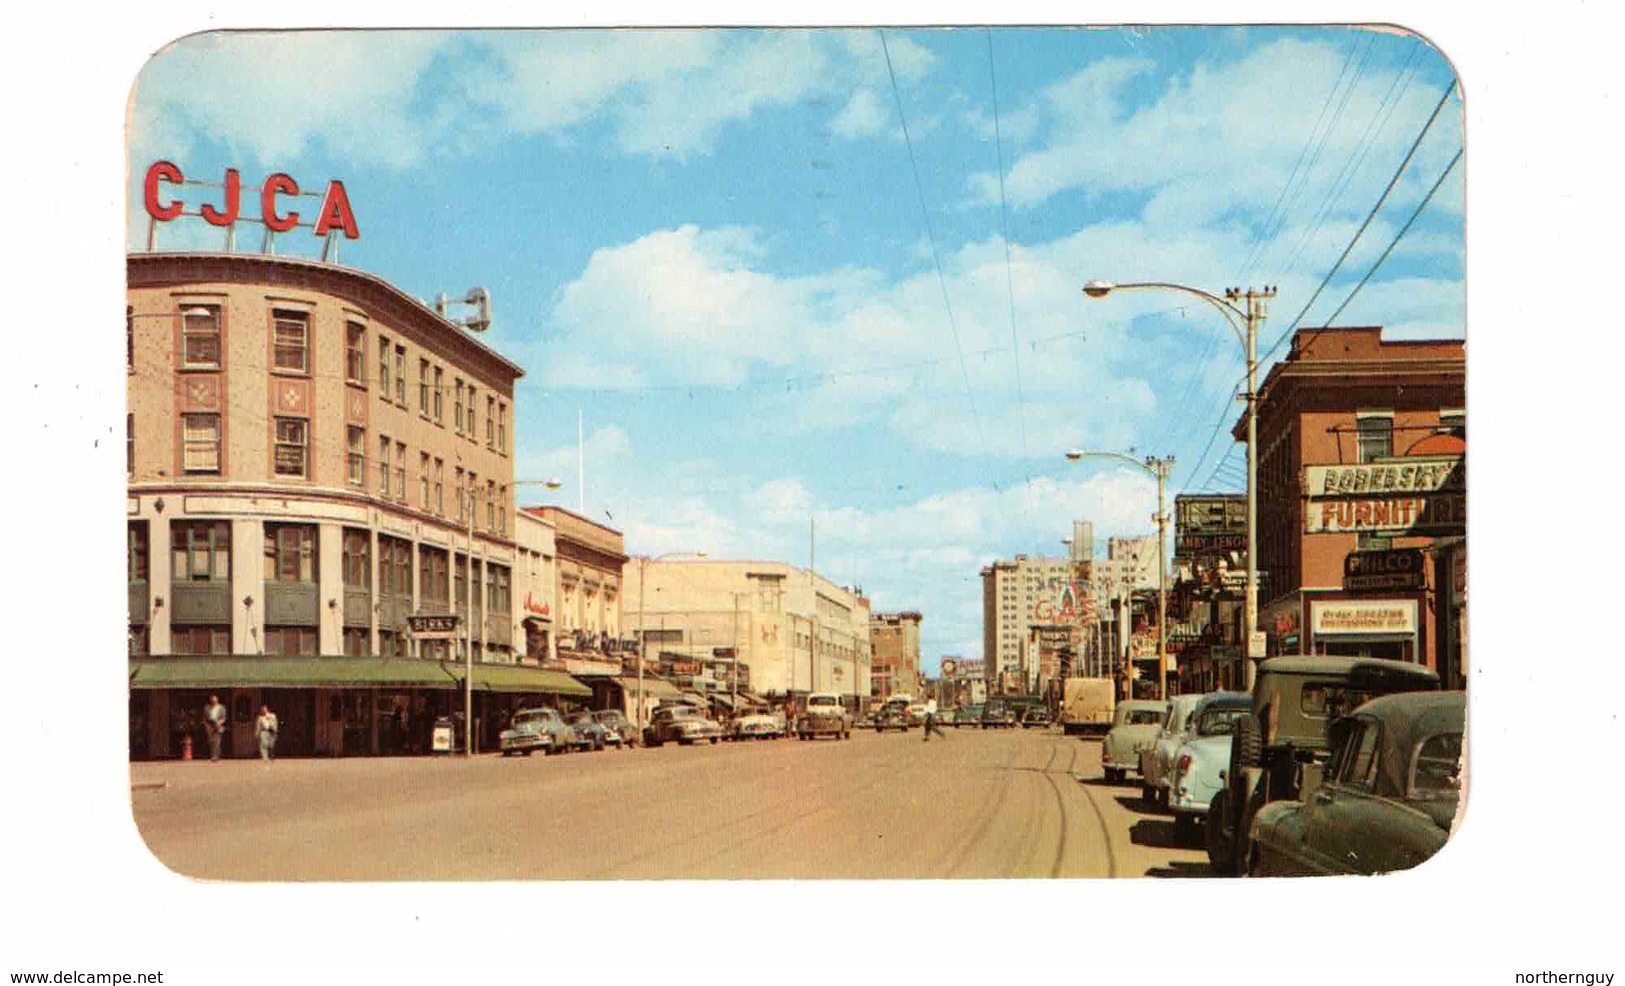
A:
{"x": 287, "y": 672}
{"x": 517, "y": 678}
{"x": 722, "y": 700}
{"x": 658, "y": 687}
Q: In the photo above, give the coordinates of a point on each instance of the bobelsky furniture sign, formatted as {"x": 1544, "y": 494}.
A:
{"x": 1394, "y": 497}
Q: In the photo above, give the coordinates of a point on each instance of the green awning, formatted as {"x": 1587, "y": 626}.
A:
{"x": 658, "y": 687}
{"x": 286, "y": 672}
{"x": 518, "y": 678}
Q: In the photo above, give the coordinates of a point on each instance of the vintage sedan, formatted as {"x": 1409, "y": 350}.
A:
{"x": 1157, "y": 759}
{"x": 1203, "y": 756}
{"x": 1037, "y": 717}
{"x": 681, "y": 723}
{"x": 593, "y": 734}
{"x": 755, "y": 724}
{"x": 536, "y": 729}
{"x": 892, "y": 717}
{"x": 968, "y": 715}
{"x": 1387, "y": 799}
{"x": 824, "y": 716}
{"x": 1134, "y": 727}
{"x": 616, "y": 719}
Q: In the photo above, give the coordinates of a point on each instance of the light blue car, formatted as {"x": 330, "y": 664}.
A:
{"x": 1202, "y": 756}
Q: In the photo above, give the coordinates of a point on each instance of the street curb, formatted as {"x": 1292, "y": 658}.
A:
{"x": 148, "y": 785}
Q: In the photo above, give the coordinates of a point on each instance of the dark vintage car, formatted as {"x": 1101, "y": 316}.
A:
{"x": 592, "y": 734}
{"x": 1037, "y": 717}
{"x": 681, "y": 723}
{"x": 537, "y": 729}
{"x": 892, "y": 717}
{"x": 1388, "y": 797}
{"x": 968, "y": 715}
{"x": 616, "y": 719}
{"x": 1295, "y": 701}
{"x": 998, "y": 715}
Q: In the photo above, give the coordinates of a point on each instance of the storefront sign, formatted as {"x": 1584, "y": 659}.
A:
{"x": 1440, "y": 513}
{"x": 1400, "y": 569}
{"x": 1415, "y": 474}
{"x": 433, "y": 626}
{"x": 1355, "y": 617}
{"x": 1208, "y": 525}
{"x": 535, "y": 608}
{"x": 335, "y": 212}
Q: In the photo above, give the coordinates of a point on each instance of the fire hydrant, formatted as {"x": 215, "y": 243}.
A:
{"x": 186, "y": 747}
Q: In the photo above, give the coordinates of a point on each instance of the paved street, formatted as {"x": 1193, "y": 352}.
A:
{"x": 978, "y": 804}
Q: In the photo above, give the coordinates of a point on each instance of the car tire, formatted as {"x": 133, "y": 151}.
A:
{"x": 1221, "y": 850}
{"x": 1148, "y": 795}
{"x": 1184, "y": 828}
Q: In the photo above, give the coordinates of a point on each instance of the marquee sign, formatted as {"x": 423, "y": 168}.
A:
{"x": 1209, "y": 524}
{"x": 335, "y": 214}
{"x": 1418, "y": 495}
{"x": 1363, "y": 617}
{"x": 1401, "y": 569}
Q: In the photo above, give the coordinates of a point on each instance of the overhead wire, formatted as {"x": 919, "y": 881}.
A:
{"x": 1004, "y": 228}
{"x": 936, "y": 258}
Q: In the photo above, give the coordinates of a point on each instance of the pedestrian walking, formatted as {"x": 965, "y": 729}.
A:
{"x": 265, "y": 728}
{"x": 214, "y": 722}
{"x": 931, "y": 720}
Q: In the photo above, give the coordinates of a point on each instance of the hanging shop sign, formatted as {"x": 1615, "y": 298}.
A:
{"x": 535, "y": 608}
{"x": 1412, "y": 474}
{"x": 1209, "y": 525}
{"x": 1414, "y": 495}
{"x": 335, "y": 214}
{"x": 1362, "y": 617}
{"x": 1400, "y": 570}
{"x": 433, "y": 626}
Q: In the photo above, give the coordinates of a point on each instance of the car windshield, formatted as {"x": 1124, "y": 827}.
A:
{"x": 1143, "y": 717}
{"x": 1218, "y": 722}
{"x": 607, "y": 717}
{"x": 824, "y": 700}
{"x": 1436, "y": 768}
{"x": 1331, "y": 700}
{"x": 533, "y": 715}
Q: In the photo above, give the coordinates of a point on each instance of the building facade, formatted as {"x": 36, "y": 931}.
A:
{"x": 1361, "y": 490}
{"x": 319, "y": 503}
{"x": 781, "y": 630}
{"x": 894, "y": 640}
{"x": 1018, "y": 595}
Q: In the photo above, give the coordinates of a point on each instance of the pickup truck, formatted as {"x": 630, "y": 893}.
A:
{"x": 824, "y": 716}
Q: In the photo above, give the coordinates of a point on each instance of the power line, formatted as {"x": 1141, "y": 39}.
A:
{"x": 936, "y": 259}
{"x": 1004, "y": 227}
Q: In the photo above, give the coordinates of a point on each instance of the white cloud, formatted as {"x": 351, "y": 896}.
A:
{"x": 863, "y": 116}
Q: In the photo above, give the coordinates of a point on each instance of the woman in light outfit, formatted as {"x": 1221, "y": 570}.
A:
{"x": 265, "y": 729}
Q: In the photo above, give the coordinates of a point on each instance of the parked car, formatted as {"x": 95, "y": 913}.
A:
{"x": 536, "y": 729}
{"x": 968, "y": 715}
{"x": 616, "y": 719}
{"x": 680, "y": 722}
{"x": 1157, "y": 759}
{"x": 593, "y": 734}
{"x": 755, "y": 724}
{"x": 998, "y": 715}
{"x": 1287, "y": 734}
{"x": 824, "y": 716}
{"x": 1037, "y": 717}
{"x": 916, "y": 714}
{"x": 1134, "y": 727}
{"x": 1202, "y": 757}
{"x": 1386, "y": 801}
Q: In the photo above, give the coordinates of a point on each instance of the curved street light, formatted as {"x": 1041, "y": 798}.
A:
{"x": 1244, "y": 321}
{"x": 1158, "y": 469}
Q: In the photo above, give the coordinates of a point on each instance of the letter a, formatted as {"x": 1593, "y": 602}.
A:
{"x": 336, "y": 212}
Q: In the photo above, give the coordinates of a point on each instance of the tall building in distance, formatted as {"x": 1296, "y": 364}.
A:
{"x": 895, "y": 640}
{"x": 1018, "y": 595}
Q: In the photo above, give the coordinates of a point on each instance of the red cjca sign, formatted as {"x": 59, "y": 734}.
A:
{"x": 335, "y": 211}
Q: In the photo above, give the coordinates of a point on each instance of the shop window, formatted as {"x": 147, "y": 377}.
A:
{"x": 200, "y": 337}
{"x": 357, "y": 559}
{"x": 291, "y": 455}
{"x": 355, "y": 353}
{"x": 356, "y": 456}
{"x": 200, "y": 550}
{"x": 300, "y": 641}
{"x": 200, "y": 443}
{"x": 290, "y": 553}
{"x": 290, "y": 347}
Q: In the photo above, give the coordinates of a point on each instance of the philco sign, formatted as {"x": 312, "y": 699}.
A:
{"x": 1393, "y": 497}
{"x": 1401, "y": 569}
{"x": 335, "y": 213}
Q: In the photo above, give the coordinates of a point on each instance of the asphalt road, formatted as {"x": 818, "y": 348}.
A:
{"x": 993, "y": 804}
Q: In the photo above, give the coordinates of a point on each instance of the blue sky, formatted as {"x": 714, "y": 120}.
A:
{"x": 711, "y": 244}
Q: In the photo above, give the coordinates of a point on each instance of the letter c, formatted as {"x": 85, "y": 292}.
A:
{"x": 161, "y": 171}
{"x": 276, "y": 184}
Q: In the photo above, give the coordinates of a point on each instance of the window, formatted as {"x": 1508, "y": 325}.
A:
{"x": 1360, "y": 759}
{"x": 473, "y": 498}
{"x": 200, "y": 337}
{"x": 400, "y": 470}
{"x": 355, "y": 641}
{"x": 292, "y": 440}
{"x": 400, "y": 375}
{"x": 439, "y": 397}
{"x": 490, "y": 505}
{"x": 356, "y": 443}
{"x": 136, "y": 557}
{"x": 290, "y": 553}
{"x": 290, "y": 349}
{"x": 383, "y": 465}
{"x": 129, "y": 444}
{"x": 457, "y": 409}
{"x": 357, "y": 561}
{"x": 459, "y": 581}
{"x": 201, "y": 640}
{"x": 490, "y": 422}
{"x": 502, "y": 428}
{"x": 129, "y": 338}
{"x": 458, "y": 492}
{"x": 383, "y": 367}
{"x": 473, "y": 431}
{"x": 440, "y": 487}
{"x": 496, "y": 584}
{"x": 394, "y": 567}
{"x": 291, "y": 640}
{"x": 423, "y": 387}
{"x": 200, "y": 550}
{"x": 502, "y": 510}
{"x": 423, "y": 479}
{"x": 1436, "y": 770}
{"x": 355, "y": 353}
{"x": 200, "y": 443}
{"x": 1375, "y": 436}
{"x": 434, "y": 585}
{"x": 1451, "y": 420}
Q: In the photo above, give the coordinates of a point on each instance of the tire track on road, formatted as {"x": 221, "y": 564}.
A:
{"x": 989, "y": 811}
{"x": 1105, "y": 831}
{"x": 1060, "y": 804}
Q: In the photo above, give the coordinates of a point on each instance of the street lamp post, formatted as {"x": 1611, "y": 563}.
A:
{"x": 1251, "y": 316}
{"x": 643, "y": 632}
{"x": 1158, "y": 468}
